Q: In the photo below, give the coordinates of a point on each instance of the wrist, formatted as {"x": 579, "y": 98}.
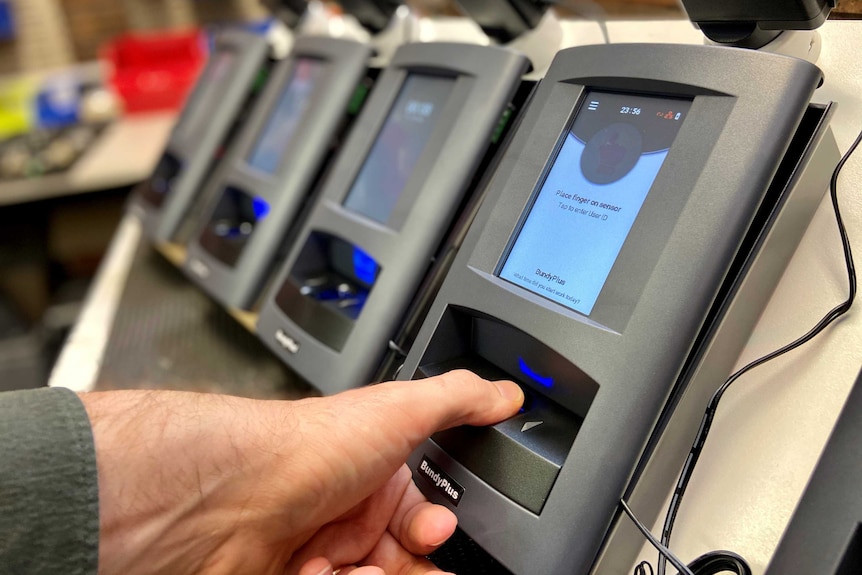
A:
{"x": 162, "y": 458}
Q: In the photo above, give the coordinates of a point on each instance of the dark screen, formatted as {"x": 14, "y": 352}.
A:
{"x": 399, "y": 145}
{"x": 286, "y": 115}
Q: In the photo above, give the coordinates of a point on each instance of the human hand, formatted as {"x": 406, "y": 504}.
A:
{"x": 198, "y": 483}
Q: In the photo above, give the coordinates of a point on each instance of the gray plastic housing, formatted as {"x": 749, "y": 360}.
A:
{"x": 825, "y": 533}
{"x": 485, "y": 81}
{"x": 290, "y": 184}
{"x": 767, "y": 14}
{"x": 203, "y": 126}
{"x": 795, "y": 194}
{"x": 745, "y": 109}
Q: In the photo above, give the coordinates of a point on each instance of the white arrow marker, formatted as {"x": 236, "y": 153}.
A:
{"x": 530, "y": 425}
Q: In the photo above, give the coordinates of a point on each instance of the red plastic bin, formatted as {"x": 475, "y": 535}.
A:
{"x": 155, "y": 71}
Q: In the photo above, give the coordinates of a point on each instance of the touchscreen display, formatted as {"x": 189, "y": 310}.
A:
{"x": 286, "y": 115}
{"x": 591, "y": 196}
{"x": 398, "y": 146}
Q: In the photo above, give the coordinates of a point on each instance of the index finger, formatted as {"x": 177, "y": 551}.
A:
{"x": 419, "y": 408}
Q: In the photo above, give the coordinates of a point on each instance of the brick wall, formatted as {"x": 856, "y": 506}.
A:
{"x": 158, "y": 14}
{"x": 850, "y": 9}
{"x": 221, "y": 11}
{"x": 844, "y": 9}
{"x": 43, "y": 40}
{"x": 92, "y": 23}
{"x": 54, "y": 33}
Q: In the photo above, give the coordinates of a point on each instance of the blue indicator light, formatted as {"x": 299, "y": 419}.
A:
{"x": 260, "y": 207}
{"x": 364, "y": 266}
{"x": 525, "y": 369}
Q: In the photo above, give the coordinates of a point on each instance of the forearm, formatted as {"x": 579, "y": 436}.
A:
{"x": 166, "y": 461}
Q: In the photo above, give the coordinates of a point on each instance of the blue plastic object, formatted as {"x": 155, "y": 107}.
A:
{"x": 58, "y": 104}
{"x": 7, "y": 21}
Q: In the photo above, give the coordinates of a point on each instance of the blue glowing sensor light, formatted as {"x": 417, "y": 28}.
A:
{"x": 541, "y": 380}
{"x": 364, "y": 266}
{"x": 260, "y": 207}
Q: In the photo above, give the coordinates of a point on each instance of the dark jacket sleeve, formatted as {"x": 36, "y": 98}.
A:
{"x": 49, "y": 497}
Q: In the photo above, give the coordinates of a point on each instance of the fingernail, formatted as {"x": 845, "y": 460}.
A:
{"x": 510, "y": 391}
{"x": 325, "y": 571}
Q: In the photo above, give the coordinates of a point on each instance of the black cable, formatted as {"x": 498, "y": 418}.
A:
{"x": 663, "y": 550}
{"x": 716, "y": 562}
{"x": 831, "y": 316}
{"x": 726, "y": 560}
